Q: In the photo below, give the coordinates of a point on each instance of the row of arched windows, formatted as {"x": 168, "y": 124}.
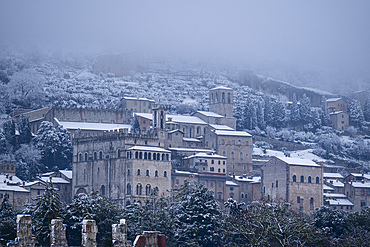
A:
{"x": 148, "y": 156}
{"x": 214, "y": 98}
{"x": 309, "y": 179}
{"x": 139, "y": 189}
{"x": 147, "y": 173}
{"x": 97, "y": 156}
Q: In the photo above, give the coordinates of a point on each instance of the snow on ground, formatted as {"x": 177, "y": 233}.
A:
{"x": 302, "y": 154}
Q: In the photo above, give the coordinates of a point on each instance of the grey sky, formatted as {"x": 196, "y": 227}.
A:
{"x": 306, "y": 33}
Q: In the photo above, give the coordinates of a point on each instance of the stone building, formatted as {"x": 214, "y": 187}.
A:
{"x": 235, "y": 145}
{"x": 221, "y": 101}
{"x": 358, "y": 193}
{"x": 11, "y": 186}
{"x": 137, "y": 105}
{"x": 336, "y": 104}
{"x": 339, "y": 120}
{"x": 7, "y": 167}
{"x": 297, "y": 181}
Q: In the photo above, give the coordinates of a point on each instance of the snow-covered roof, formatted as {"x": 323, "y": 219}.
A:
{"x": 221, "y": 127}
{"x": 339, "y": 202}
{"x": 298, "y": 161}
{"x": 325, "y": 187}
{"x": 144, "y": 115}
{"x": 67, "y": 173}
{"x": 149, "y": 148}
{"x": 5, "y": 187}
{"x": 246, "y": 179}
{"x": 14, "y": 179}
{"x": 195, "y": 150}
{"x": 54, "y": 180}
{"x": 336, "y": 113}
{"x": 335, "y": 183}
{"x": 231, "y": 133}
{"x": 173, "y": 131}
{"x": 332, "y": 175}
{"x": 210, "y": 114}
{"x": 27, "y": 184}
{"x": 333, "y": 99}
{"x": 205, "y": 155}
{"x": 360, "y": 184}
{"x": 186, "y": 139}
{"x": 220, "y": 87}
{"x": 185, "y": 119}
{"x": 359, "y": 175}
{"x": 231, "y": 183}
{"x": 133, "y": 98}
{"x": 93, "y": 126}
{"x": 185, "y": 172}
{"x": 334, "y": 195}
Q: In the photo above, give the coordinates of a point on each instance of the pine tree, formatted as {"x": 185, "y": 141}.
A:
{"x": 295, "y": 115}
{"x": 64, "y": 152}
{"x": 8, "y": 227}
{"x": 3, "y": 148}
{"x": 325, "y": 117}
{"x": 9, "y": 132}
{"x": 28, "y": 162}
{"x": 356, "y": 116}
{"x": 367, "y": 108}
{"x": 48, "y": 207}
{"x": 260, "y": 115}
{"x": 278, "y": 117}
{"x": 24, "y": 130}
{"x": 305, "y": 110}
{"x": 268, "y": 113}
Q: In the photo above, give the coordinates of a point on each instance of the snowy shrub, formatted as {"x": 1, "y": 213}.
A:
{"x": 270, "y": 132}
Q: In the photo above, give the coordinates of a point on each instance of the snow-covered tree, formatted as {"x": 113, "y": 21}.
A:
{"x": 2, "y": 143}
{"x": 268, "y": 112}
{"x": 28, "y": 162}
{"x": 260, "y": 115}
{"x": 325, "y": 117}
{"x": 305, "y": 109}
{"x": 279, "y": 114}
{"x": 94, "y": 206}
{"x": 64, "y": 153}
{"x": 197, "y": 217}
{"x": 356, "y": 116}
{"x": 295, "y": 115}
{"x": 24, "y": 130}
{"x": 9, "y": 133}
{"x": 47, "y": 207}
{"x": 367, "y": 108}
{"x": 8, "y": 227}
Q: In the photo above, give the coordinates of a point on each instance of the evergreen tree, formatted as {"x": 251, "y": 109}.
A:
{"x": 28, "y": 162}
{"x": 268, "y": 113}
{"x": 279, "y": 114}
{"x": 305, "y": 110}
{"x": 8, "y": 227}
{"x": 295, "y": 115}
{"x": 24, "y": 130}
{"x": 47, "y": 207}
{"x": 197, "y": 217}
{"x": 325, "y": 117}
{"x": 3, "y": 148}
{"x": 96, "y": 207}
{"x": 367, "y": 108}
{"x": 9, "y": 132}
{"x": 64, "y": 152}
{"x": 260, "y": 115}
{"x": 356, "y": 116}
{"x": 47, "y": 141}
{"x": 135, "y": 125}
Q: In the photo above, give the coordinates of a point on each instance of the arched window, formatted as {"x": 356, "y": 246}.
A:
{"x": 103, "y": 190}
{"x": 156, "y": 190}
{"x": 136, "y": 155}
{"x": 145, "y": 155}
{"x": 163, "y": 157}
{"x": 95, "y": 155}
{"x": 311, "y": 203}
{"x": 317, "y": 180}
{"x": 147, "y": 189}
{"x": 232, "y": 155}
{"x": 128, "y": 189}
{"x": 165, "y": 174}
{"x": 140, "y": 155}
{"x": 100, "y": 155}
{"x": 139, "y": 189}
{"x": 119, "y": 153}
{"x": 156, "y": 173}
{"x": 294, "y": 178}
{"x": 240, "y": 155}
{"x": 149, "y": 156}
{"x": 158, "y": 156}
{"x": 302, "y": 179}
{"x": 147, "y": 173}
{"x": 212, "y": 161}
{"x": 228, "y": 98}
{"x": 309, "y": 179}
{"x": 128, "y": 172}
{"x": 167, "y": 157}
{"x": 198, "y": 130}
{"x": 138, "y": 172}
{"x": 154, "y": 156}
{"x": 223, "y": 97}
{"x": 80, "y": 157}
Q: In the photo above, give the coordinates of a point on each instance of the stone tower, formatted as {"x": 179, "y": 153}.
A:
{"x": 159, "y": 120}
{"x": 221, "y": 101}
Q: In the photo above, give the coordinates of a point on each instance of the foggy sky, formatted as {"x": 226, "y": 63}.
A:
{"x": 317, "y": 34}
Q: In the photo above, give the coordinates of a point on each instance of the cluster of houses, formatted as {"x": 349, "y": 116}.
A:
{"x": 131, "y": 163}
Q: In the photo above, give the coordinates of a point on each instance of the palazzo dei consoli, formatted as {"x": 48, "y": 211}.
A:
{"x": 132, "y": 166}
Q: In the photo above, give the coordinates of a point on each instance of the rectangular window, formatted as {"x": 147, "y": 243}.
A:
{"x": 277, "y": 183}
{"x": 219, "y": 184}
{"x": 363, "y": 204}
{"x": 298, "y": 199}
{"x": 177, "y": 181}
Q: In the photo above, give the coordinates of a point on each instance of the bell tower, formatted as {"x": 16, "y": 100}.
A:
{"x": 221, "y": 101}
{"x": 159, "y": 120}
